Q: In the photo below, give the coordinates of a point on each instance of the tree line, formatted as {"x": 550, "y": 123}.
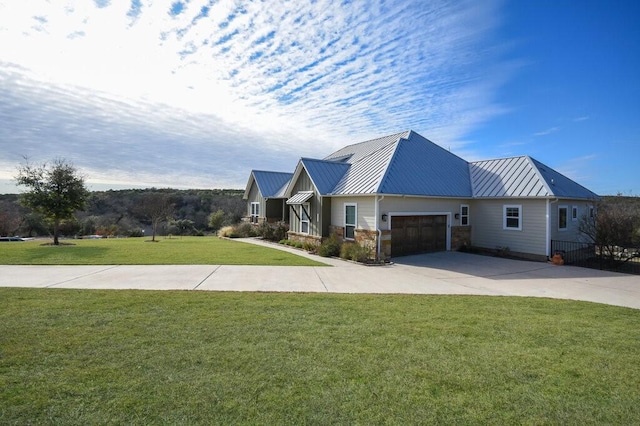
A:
{"x": 131, "y": 212}
{"x": 57, "y": 203}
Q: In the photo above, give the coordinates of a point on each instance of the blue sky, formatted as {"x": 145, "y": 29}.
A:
{"x": 195, "y": 94}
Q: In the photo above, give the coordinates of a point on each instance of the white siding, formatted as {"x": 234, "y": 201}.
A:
{"x": 487, "y": 230}
{"x": 571, "y": 233}
{"x": 365, "y": 211}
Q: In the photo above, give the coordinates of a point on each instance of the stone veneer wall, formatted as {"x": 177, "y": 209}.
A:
{"x": 460, "y": 236}
{"x": 304, "y": 238}
{"x": 367, "y": 239}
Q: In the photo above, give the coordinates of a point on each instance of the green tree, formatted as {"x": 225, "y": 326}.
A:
{"x": 216, "y": 219}
{"x": 56, "y": 190}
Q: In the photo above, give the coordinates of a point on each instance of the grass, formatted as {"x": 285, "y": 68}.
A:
{"x": 140, "y": 251}
{"x": 126, "y": 357}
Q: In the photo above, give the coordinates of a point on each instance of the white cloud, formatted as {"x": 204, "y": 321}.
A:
{"x": 547, "y": 132}
{"x": 580, "y": 169}
{"x": 258, "y": 84}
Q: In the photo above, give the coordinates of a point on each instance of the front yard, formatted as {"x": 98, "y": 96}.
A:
{"x": 140, "y": 251}
{"x": 133, "y": 357}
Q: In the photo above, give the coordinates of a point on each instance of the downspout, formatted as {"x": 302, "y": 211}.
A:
{"x": 548, "y": 227}
{"x": 377, "y": 213}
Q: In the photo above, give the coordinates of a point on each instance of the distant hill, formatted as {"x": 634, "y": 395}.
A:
{"x": 116, "y": 212}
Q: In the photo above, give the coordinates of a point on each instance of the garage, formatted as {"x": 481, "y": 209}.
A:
{"x": 418, "y": 234}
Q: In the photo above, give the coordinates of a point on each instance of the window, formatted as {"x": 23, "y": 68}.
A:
{"x": 592, "y": 212}
{"x": 562, "y": 217}
{"x": 574, "y": 213}
{"x": 304, "y": 218}
{"x": 464, "y": 214}
{"x": 512, "y": 217}
{"x": 255, "y": 212}
{"x": 350, "y": 214}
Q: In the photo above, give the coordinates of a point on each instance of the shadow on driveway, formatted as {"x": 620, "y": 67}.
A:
{"x": 499, "y": 268}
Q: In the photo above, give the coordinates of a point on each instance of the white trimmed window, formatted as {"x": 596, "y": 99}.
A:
{"x": 563, "y": 215}
{"x": 255, "y": 212}
{"x": 350, "y": 219}
{"x": 574, "y": 213}
{"x": 464, "y": 214}
{"x": 592, "y": 212}
{"x": 304, "y": 218}
{"x": 512, "y": 217}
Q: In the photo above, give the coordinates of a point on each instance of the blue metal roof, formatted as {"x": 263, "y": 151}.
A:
{"x": 271, "y": 184}
{"x": 560, "y": 185}
{"x": 356, "y": 152}
{"x": 420, "y": 167}
{"x": 522, "y": 177}
{"x": 324, "y": 174}
{"x": 409, "y": 164}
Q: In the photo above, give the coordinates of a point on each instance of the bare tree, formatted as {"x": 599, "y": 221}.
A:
{"x": 614, "y": 228}
{"x": 56, "y": 190}
{"x": 155, "y": 208}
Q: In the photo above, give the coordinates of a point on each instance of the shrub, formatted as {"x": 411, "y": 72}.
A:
{"x": 245, "y": 230}
{"x": 273, "y": 231}
{"x": 355, "y": 252}
{"x": 136, "y": 233}
{"x": 310, "y": 247}
{"x": 226, "y": 231}
{"x": 330, "y": 247}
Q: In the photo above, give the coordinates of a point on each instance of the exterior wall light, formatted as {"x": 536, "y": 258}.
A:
{"x": 457, "y": 215}
{"x": 384, "y": 217}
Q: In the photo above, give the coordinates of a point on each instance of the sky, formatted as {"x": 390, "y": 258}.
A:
{"x": 196, "y": 94}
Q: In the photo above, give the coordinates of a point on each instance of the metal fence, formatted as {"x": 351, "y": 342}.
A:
{"x": 591, "y": 256}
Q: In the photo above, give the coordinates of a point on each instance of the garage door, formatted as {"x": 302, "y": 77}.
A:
{"x": 418, "y": 234}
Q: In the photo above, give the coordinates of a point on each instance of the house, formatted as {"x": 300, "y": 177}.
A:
{"x": 402, "y": 194}
{"x": 265, "y": 195}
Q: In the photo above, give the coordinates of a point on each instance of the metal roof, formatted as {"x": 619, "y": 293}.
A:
{"x": 324, "y": 174}
{"x": 409, "y": 164}
{"x": 300, "y": 197}
{"x": 403, "y": 163}
{"x": 365, "y": 175}
{"x": 560, "y": 185}
{"x": 355, "y": 152}
{"x": 522, "y": 177}
{"x": 271, "y": 184}
{"x": 420, "y": 167}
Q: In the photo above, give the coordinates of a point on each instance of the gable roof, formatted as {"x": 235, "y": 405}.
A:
{"x": 323, "y": 174}
{"x": 270, "y": 184}
{"x": 522, "y": 177}
{"x": 407, "y": 163}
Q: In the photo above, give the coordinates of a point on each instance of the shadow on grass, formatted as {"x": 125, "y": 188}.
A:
{"x": 63, "y": 254}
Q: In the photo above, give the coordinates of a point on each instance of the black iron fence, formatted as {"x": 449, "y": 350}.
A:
{"x": 591, "y": 256}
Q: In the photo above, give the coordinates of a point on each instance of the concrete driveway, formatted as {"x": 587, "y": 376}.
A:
{"x": 436, "y": 273}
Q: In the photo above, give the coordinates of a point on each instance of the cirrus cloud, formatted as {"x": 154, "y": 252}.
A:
{"x": 198, "y": 93}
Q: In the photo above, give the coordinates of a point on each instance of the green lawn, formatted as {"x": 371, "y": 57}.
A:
{"x": 144, "y": 357}
{"x": 140, "y": 251}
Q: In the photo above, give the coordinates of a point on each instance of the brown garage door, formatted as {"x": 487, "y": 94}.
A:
{"x": 418, "y": 234}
